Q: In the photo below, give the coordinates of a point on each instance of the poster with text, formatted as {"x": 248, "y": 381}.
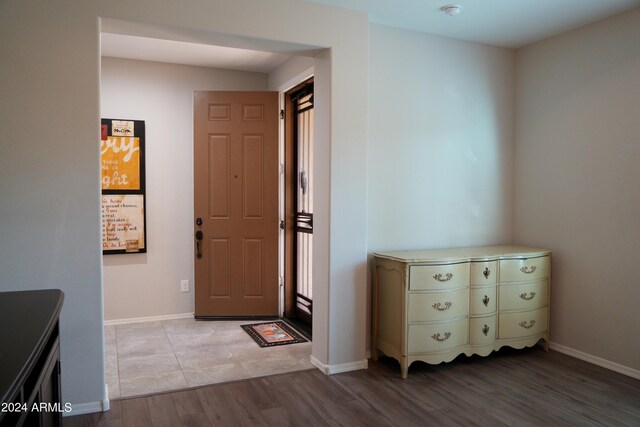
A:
{"x": 123, "y": 223}
{"x": 122, "y": 154}
{"x": 122, "y": 157}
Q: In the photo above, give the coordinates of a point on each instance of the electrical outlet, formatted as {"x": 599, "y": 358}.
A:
{"x": 184, "y": 286}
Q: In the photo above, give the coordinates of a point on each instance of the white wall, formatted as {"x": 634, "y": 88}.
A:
{"x": 291, "y": 68}
{"x": 140, "y": 285}
{"x": 441, "y": 134}
{"x": 49, "y": 163}
{"x": 577, "y": 181}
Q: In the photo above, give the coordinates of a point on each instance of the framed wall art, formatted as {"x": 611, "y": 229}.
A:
{"x": 122, "y": 144}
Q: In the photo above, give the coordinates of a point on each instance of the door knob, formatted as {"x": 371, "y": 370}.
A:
{"x": 199, "y": 236}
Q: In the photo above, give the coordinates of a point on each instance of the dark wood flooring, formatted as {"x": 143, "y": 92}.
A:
{"x": 510, "y": 388}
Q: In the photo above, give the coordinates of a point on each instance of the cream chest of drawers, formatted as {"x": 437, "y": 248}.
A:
{"x": 435, "y": 305}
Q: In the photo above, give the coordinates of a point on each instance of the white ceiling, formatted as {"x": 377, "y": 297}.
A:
{"x": 507, "y": 23}
{"x": 178, "y": 52}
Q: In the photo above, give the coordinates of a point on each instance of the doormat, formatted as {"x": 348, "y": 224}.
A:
{"x": 271, "y": 334}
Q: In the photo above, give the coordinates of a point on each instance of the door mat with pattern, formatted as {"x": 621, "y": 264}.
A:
{"x": 272, "y": 333}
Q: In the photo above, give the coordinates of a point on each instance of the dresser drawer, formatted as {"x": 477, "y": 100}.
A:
{"x": 432, "y": 277}
{"x": 438, "y": 336}
{"x": 520, "y": 270}
{"x": 438, "y": 305}
{"x": 482, "y": 301}
{"x": 482, "y": 330}
{"x": 524, "y": 296}
{"x": 522, "y": 324}
{"x": 483, "y": 273}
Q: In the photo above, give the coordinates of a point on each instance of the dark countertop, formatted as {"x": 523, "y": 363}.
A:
{"x": 27, "y": 319}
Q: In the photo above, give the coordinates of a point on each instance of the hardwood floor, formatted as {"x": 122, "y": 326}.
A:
{"x": 512, "y": 387}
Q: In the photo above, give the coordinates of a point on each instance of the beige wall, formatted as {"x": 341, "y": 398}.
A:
{"x": 292, "y": 68}
{"x": 141, "y": 285}
{"x": 440, "y": 141}
{"x": 577, "y": 181}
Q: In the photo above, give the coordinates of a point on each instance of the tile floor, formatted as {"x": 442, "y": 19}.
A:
{"x": 143, "y": 358}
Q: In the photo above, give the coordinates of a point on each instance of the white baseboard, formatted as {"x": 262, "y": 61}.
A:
{"x": 106, "y": 404}
{"x": 87, "y": 408}
{"x": 339, "y": 368}
{"x": 612, "y": 366}
{"x": 148, "y": 319}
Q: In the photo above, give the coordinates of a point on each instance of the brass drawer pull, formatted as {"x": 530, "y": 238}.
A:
{"x": 529, "y": 326}
{"x": 486, "y": 273}
{"x": 485, "y": 330}
{"x": 527, "y": 270}
{"x": 440, "y": 339}
{"x": 439, "y": 307}
{"x": 485, "y": 300}
{"x": 439, "y": 278}
{"x": 527, "y": 298}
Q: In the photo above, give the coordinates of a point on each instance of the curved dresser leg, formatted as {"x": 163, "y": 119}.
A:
{"x": 404, "y": 370}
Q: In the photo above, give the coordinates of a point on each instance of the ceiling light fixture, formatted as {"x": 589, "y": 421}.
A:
{"x": 451, "y": 9}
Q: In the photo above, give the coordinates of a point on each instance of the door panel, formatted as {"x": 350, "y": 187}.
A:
{"x": 253, "y": 176}
{"x": 253, "y": 277}
{"x": 219, "y": 273}
{"x": 236, "y": 198}
{"x": 219, "y": 176}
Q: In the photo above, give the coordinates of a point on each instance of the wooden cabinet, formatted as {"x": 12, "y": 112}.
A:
{"x": 435, "y": 305}
{"x": 30, "y": 358}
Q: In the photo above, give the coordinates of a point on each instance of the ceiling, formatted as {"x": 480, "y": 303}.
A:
{"x": 178, "y": 52}
{"x": 506, "y": 23}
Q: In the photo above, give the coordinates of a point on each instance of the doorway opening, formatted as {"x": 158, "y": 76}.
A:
{"x": 299, "y": 130}
{"x": 172, "y": 250}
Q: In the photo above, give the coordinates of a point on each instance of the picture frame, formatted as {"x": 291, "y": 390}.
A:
{"x": 123, "y": 181}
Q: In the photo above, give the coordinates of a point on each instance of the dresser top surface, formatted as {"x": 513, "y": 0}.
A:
{"x": 481, "y": 253}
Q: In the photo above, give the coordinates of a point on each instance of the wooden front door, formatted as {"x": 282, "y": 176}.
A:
{"x": 236, "y": 204}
